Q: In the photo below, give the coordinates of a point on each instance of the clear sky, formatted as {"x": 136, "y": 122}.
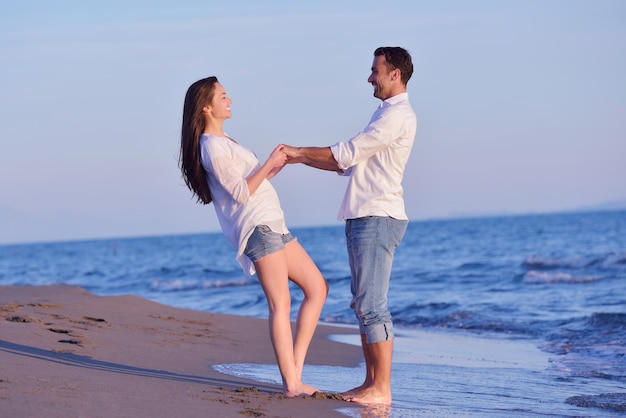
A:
{"x": 521, "y": 105}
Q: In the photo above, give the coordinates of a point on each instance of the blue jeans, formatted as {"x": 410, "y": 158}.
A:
{"x": 371, "y": 244}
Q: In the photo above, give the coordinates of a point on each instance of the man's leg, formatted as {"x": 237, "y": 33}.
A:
{"x": 377, "y": 386}
{"x": 371, "y": 244}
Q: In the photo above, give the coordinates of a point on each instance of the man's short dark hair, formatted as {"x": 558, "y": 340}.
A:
{"x": 399, "y": 58}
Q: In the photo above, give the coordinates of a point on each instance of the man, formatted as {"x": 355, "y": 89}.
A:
{"x": 373, "y": 208}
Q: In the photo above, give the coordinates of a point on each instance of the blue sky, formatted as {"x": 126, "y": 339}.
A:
{"x": 521, "y": 105}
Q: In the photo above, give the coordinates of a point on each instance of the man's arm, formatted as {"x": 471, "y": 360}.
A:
{"x": 317, "y": 157}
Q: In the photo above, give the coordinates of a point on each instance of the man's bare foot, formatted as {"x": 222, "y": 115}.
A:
{"x": 353, "y": 391}
{"x": 368, "y": 395}
{"x": 298, "y": 390}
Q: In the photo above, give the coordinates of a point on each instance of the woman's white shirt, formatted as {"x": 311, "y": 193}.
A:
{"x": 228, "y": 164}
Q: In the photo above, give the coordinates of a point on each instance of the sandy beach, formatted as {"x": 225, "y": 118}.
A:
{"x": 66, "y": 352}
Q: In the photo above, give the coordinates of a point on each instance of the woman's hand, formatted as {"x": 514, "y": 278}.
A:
{"x": 276, "y": 161}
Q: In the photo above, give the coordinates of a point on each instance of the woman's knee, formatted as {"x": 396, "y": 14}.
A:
{"x": 317, "y": 293}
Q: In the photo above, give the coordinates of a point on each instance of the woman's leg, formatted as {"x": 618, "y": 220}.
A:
{"x": 304, "y": 273}
{"x": 272, "y": 272}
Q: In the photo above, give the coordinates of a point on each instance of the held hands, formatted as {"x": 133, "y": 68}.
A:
{"x": 292, "y": 154}
{"x": 276, "y": 161}
{"x": 281, "y": 156}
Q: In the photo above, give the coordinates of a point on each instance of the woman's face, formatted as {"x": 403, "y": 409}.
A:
{"x": 219, "y": 108}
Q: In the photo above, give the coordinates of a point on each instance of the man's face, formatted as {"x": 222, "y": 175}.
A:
{"x": 380, "y": 78}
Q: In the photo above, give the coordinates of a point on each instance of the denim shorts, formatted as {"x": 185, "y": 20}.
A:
{"x": 264, "y": 241}
{"x": 371, "y": 245}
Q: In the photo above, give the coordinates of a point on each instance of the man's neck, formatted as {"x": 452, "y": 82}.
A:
{"x": 395, "y": 92}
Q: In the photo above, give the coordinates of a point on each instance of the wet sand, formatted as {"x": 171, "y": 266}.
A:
{"x": 66, "y": 352}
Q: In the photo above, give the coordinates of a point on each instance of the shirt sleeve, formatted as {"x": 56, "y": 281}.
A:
{"x": 227, "y": 170}
{"x": 384, "y": 127}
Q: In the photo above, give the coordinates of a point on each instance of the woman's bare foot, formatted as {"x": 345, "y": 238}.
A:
{"x": 367, "y": 395}
{"x": 298, "y": 390}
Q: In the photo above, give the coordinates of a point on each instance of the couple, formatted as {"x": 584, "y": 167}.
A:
{"x": 217, "y": 169}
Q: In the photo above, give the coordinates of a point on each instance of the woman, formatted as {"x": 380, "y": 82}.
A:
{"x": 217, "y": 168}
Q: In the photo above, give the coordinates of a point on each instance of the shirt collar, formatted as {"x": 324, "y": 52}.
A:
{"x": 397, "y": 98}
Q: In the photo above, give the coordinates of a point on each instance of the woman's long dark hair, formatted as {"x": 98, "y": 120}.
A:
{"x": 198, "y": 95}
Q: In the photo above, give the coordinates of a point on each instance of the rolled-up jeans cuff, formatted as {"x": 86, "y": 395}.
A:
{"x": 377, "y": 333}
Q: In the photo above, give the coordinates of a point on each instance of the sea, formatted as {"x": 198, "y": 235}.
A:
{"x": 495, "y": 316}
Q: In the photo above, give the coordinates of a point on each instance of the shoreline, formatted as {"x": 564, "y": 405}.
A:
{"x": 67, "y": 352}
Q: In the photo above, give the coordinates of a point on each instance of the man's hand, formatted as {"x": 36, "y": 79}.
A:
{"x": 276, "y": 161}
{"x": 293, "y": 154}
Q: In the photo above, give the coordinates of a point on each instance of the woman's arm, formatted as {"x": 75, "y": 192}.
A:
{"x": 274, "y": 163}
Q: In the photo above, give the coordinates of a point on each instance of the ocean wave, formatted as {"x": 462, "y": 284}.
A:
{"x": 616, "y": 259}
{"x": 177, "y": 271}
{"x": 540, "y": 277}
{"x": 590, "y": 348}
{"x": 611, "y": 322}
{"x": 547, "y": 263}
{"x": 613, "y": 260}
{"x": 474, "y": 266}
{"x": 611, "y": 401}
{"x": 94, "y": 273}
{"x": 601, "y": 332}
{"x": 186, "y": 285}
